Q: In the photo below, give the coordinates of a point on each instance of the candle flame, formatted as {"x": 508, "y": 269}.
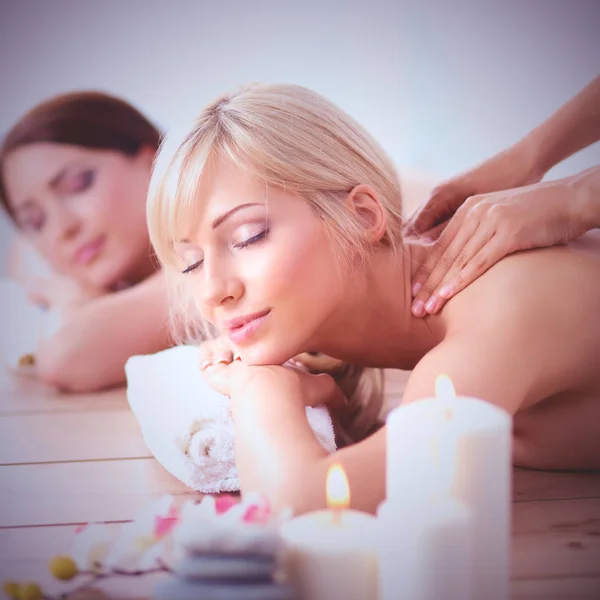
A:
{"x": 338, "y": 489}
{"x": 444, "y": 387}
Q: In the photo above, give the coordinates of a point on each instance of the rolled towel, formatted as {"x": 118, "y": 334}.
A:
{"x": 187, "y": 425}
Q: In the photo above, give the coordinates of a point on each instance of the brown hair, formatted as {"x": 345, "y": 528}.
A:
{"x": 90, "y": 119}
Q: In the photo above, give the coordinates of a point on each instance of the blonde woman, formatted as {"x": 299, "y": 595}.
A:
{"x": 278, "y": 220}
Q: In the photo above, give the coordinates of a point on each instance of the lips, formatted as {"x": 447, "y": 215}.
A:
{"x": 88, "y": 252}
{"x": 244, "y": 333}
{"x": 239, "y": 322}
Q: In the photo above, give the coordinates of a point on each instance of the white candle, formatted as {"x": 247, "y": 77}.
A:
{"x": 472, "y": 444}
{"x": 332, "y": 554}
{"x": 425, "y": 550}
{"x": 483, "y": 483}
{"x": 426, "y": 535}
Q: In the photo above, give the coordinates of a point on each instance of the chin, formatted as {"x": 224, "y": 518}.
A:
{"x": 105, "y": 276}
{"x": 257, "y": 355}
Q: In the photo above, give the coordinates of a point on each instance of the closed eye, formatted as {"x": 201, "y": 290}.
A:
{"x": 249, "y": 242}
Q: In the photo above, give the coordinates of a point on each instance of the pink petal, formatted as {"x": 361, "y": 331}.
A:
{"x": 224, "y": 503}
{"x": 256, "y": 514}
{"x": 163, "y": 525}
{"x": 173, "y": 513}
{"x": 80, "y": 528}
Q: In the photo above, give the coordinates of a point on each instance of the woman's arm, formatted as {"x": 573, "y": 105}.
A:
{"x": 278, "y": 455}
{"x": 89, "y": 351}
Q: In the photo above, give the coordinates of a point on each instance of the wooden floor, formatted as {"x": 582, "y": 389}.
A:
{"x": 67, "y": 460}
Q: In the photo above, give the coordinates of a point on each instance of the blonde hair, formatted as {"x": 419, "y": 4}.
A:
{"x": 292, "y": 138}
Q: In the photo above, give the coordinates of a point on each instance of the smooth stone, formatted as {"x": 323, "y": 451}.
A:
{"x": 181, "y": 589}
{"x": 229, "y": 567}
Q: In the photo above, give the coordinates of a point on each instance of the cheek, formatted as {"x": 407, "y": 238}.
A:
{"x": 50, "y": 251}
{"x": 117, "y": 201}
{"x": 296, "y": 267}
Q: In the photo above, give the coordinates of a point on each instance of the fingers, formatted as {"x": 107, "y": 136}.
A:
{"x": 210, "y": 359}
{"x": 319, "y": 389}
{"x": 322, "y": 389}
{"x": 470, "y": 262}
{"x": 439, "y": 207}
{"x": 216, "y": 351}
{"x": 435, "y": 233}
{"x": 485, "y": 258}
{"x": 464, "y": 237}
{"x": 216, "y": 377}
{"x": 424, "y": 272}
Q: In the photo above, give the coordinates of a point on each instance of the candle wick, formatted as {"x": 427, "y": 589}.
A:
{"x": 337, "y": 517}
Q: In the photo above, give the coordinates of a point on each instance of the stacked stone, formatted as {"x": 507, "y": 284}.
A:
{"x": 226, "y": 557}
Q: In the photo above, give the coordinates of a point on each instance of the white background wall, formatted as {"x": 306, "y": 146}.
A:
{"x": 440, "y": 84}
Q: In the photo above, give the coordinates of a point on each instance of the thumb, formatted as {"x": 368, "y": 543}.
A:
{"x": 434, "y": 233}
{"x": 439, "y": 207}
{"x": 325, "y": 390}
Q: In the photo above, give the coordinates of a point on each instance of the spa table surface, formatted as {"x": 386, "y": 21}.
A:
{"x": 71, "y": 459}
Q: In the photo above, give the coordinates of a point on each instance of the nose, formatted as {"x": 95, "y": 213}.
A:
{"x": 66, "y": 224}
{"x": 218, "y": 286}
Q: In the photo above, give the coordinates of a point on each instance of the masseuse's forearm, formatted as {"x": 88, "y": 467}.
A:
{"x": 277, "y": 453}
{"x": 586, "y": 208}
{"x": 571, "y": 128}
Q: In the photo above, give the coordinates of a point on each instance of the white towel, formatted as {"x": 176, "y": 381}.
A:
{"x": 187, "y": 425}
{"x": 22, "y": 325}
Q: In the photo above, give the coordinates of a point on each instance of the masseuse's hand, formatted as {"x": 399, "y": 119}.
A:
{"x": 234, "y": 378}
{"x": 511, "y": 168}
{"x": 486, "y": 228}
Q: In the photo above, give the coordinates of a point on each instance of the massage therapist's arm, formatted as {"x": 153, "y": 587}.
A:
{"x": 89, "y": 351}
{"x": 571, "y": 128}
{"x": 500, "y": 206}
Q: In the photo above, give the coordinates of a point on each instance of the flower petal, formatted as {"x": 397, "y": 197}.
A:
{"x": 91, "y": 545}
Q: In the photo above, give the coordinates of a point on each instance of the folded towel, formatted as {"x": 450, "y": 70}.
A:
{"x": 187, "y": 425}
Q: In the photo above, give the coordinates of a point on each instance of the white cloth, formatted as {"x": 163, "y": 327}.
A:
{"x": 22, "y": 325}
{"x": 187, "y": 425}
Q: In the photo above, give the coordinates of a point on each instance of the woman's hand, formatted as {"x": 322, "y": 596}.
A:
{"x": 237, "y": 380}
{"x": 486, "y": 228}
{"x": 219, "y": 350}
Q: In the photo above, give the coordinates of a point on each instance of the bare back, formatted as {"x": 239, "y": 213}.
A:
{"x": 546, "y": 302}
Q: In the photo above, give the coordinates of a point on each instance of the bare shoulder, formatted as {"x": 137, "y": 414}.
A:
{"x": 478, "y": 367}
{"x": 541, "y": 285}
{"x": 539, "y": 308}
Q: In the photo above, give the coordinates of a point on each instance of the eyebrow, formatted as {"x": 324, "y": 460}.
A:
{"x": 228, "y": 214}
{"x": 59, "y": 176}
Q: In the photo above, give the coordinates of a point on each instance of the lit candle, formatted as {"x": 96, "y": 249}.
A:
{"x": 425, "y": 548}
{"x": 482, "y": 481}
{"x": 471, "y": 440}
{"x": 332, "y": 554}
